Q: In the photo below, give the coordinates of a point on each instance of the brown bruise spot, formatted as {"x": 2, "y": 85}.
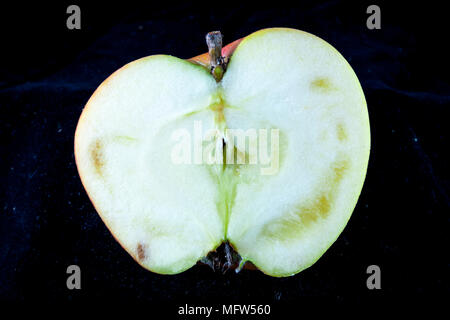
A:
{"x": 341, "y": 133}
{"x": 322, "y": 206}
{"x": 141, "y": 254}
{"x": 322, "y": 84}
{"x": 308, "y": 217}
{"x": 308, "y": 212}
{"x": 97, "y": 156}
{"x": 319, "y": 208}
{"x": 339, "y": 168}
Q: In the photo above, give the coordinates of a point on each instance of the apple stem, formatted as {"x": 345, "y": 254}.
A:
{"x": 214, "y": 42}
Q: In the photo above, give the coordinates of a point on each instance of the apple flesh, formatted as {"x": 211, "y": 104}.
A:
{"x": 170, "y": 215}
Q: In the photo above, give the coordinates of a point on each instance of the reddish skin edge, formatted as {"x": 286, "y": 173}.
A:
{"x": 202, "y": 60}
{"x": 227, "y": 51}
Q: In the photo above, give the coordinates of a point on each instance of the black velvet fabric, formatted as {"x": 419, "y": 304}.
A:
{"x": 47, "y": 74}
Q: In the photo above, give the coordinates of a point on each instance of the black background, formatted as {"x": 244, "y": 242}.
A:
{"x": 47, "y": 74}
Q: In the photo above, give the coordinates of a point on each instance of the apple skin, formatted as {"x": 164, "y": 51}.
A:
{"x": 227, "y": 51}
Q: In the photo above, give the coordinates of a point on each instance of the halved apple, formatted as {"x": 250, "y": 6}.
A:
{"x": 293, "y": 89}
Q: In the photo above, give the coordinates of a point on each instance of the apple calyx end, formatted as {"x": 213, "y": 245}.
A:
{"x": 224, "y": 258}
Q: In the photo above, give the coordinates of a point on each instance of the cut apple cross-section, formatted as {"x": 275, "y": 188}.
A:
{"x": 270, "y": 159}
